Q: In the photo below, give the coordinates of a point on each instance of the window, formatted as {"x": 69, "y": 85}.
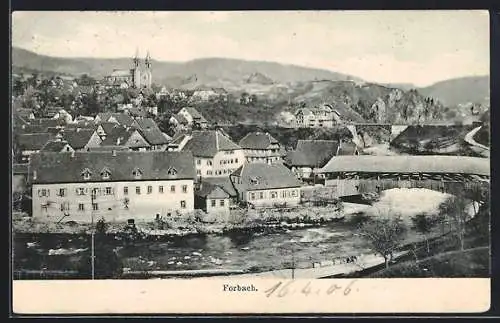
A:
{"x": 214, "y": 203}
{"x": 209, "y": 163}
{"x": 80, "y": 191}
{"x": 106, "y": 173}
{"x": 138, "y": 190}
{"x": 236, "y": 160}
{"x": 231, "y": 161}
{"x": 221, "y": 202}
{"x": 294, "y": 193}
{"x": 150, "y": 189}
{"x": 65, "y": 206}
{"x": 252, "y": 196}
{"x": 95, "y": 206}
{"x": 137, "y": 173}
{"x": 125, "y": 190}
{"x": 172, "y": 171}
{"x": 81, "y": 207}
{"x": 274, "y": 195}
{"x": 198, "y": 172}
{"x": 86, "y": 174}
{"x": 109, "y": 191}
{"x": 160, "y": 189}
{"x": 209, "y": 172}
{"x": 43, "y": 192}
{"x": 62, "y": 192}
{"x": 183, "y": 204}
{"x": 95, "y": 191}
{"x": 198, "y": 162}
{"x": 184, "y": 188}
{"x": 172, "y": 188}
{"x": 261, "y": 195}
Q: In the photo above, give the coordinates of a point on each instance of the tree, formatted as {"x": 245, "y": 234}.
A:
{"x": 384, "y": 235}
{"x": 454, "y": 209}
{"x": 423, "y": 224}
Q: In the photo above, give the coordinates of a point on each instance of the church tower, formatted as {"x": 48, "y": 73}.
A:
{"x": 148, "y": 77}
{"x": 136, "y": 73}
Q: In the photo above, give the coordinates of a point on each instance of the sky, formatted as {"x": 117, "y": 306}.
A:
{"x": 418, "y": 47}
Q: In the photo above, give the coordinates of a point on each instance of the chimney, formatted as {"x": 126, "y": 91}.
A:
{"x": 73, "y": 154}
{"x": 118, "y": 141}
{"x": 34, "y": 175}
{"x": 113, "y": 153}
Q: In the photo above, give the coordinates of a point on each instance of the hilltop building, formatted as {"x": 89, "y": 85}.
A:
{"x": 139, "y": 76}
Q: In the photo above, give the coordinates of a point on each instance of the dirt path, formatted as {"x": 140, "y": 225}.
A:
{"x": 481, "y": 149}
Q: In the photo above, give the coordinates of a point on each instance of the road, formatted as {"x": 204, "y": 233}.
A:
{"x": 477, "y": 147}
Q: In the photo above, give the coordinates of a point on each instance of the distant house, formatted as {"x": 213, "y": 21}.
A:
{"x": 81, "y": 139}
{"x": 214, "y": 152}
{"x": 212, "y": 199}
{"x": 57, "y": 146}
{"x": 126, "y": 137}
{"x": 323, "y": 116}
{"x": 194, "y": 118}
{"x": 266, "y": 185}
{"x": 153, "y": 135}
{"x": 311, "y": 155}
{"x": 32, "y": 143}
{"x": 305, "y": 118}
{"x": 261, "y": 147}
{"x": 120, "y": 185}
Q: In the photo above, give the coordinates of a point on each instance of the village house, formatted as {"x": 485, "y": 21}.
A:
{"x": 115, "y": 186}
{"x": 260, "y": 147}
{"x": 122, "y": 119}
{"x": 81, "y": 139}
{"x": 126, "y": 137}
{"x": 178, "y": 141}
{"x": 323, "y": 116}
{"x": 311, "y": 155}
{"x": 354, "y": 175}
{"x": 212, "y": 199}
{"x": 105, "y": 128}
{"x": 266, "y": 185}
{"x": 214, "y": 152}
{"x": 194, "y": 118}
{"x": 57, "y": 146}
{"x": 156, "y": 139}
{"x": 31, "y": 143}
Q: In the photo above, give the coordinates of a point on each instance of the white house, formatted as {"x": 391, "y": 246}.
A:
{"x": 265, "y": 185}
{"x": 215, "y": 153}
{"x": 260, "y": 147}
{"x": 119, "y": 185}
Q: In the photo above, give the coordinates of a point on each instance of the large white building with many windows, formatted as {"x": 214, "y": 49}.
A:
{"x": 116, "y": 186}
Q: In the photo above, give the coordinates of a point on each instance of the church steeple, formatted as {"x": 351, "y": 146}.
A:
{"x": 148, "y": 60}
{"x": 136, "y": 58}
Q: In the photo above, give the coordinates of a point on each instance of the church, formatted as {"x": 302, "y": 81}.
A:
{"x": 139, "y": 76}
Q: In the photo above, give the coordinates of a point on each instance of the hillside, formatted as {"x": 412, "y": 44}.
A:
{"x": 212, "y": 72}
{"x": 453, "y": 92}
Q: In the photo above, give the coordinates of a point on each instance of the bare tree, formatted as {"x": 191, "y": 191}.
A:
{"x": 384, "y": 235}
{"x": 454, "y": 209}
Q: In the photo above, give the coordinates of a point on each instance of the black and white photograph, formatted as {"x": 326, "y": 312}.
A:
{"x": 259, "y": 144}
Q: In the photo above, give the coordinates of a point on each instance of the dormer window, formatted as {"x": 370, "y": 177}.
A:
{"x": 86, "y": 174}
{"x": 105, "y": 173}
{"x": 172, "y": 171}
{"x": 254, "y": 181}
{"x": 137, "y": 173}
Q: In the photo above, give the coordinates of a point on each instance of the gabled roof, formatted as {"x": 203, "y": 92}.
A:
{"x": 312, "y": 153}
{"x": 121, "y": 118}
{"x": 152, "y": 165}
{"x": 109, "y": 126}
{"x": 257, "y": 140}
{"x": 119, "y": 137}
{"x": 211, "y": 190}
{"x": 150, "y": 131}
{"x": 223, "y": 182}
{"x": 409, "y": 164}
{"x": 54, "y": 146}
{"x": 207, "y": 143}
{"x": 181, "y": 119}
{"x": 34, "y": 141}
{"x": 77, "y": 138}
{"x": 262, "y": 176}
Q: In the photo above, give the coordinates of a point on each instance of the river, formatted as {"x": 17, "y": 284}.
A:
{"x": 274, "y": 249}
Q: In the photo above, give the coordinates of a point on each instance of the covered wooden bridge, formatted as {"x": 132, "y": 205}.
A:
{"x": 351, "y": 175}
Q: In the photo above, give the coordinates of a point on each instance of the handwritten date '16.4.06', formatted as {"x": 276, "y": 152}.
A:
{"x": 297, "y": 287}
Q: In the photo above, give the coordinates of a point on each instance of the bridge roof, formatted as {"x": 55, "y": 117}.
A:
{"x": 408, "y": 164}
